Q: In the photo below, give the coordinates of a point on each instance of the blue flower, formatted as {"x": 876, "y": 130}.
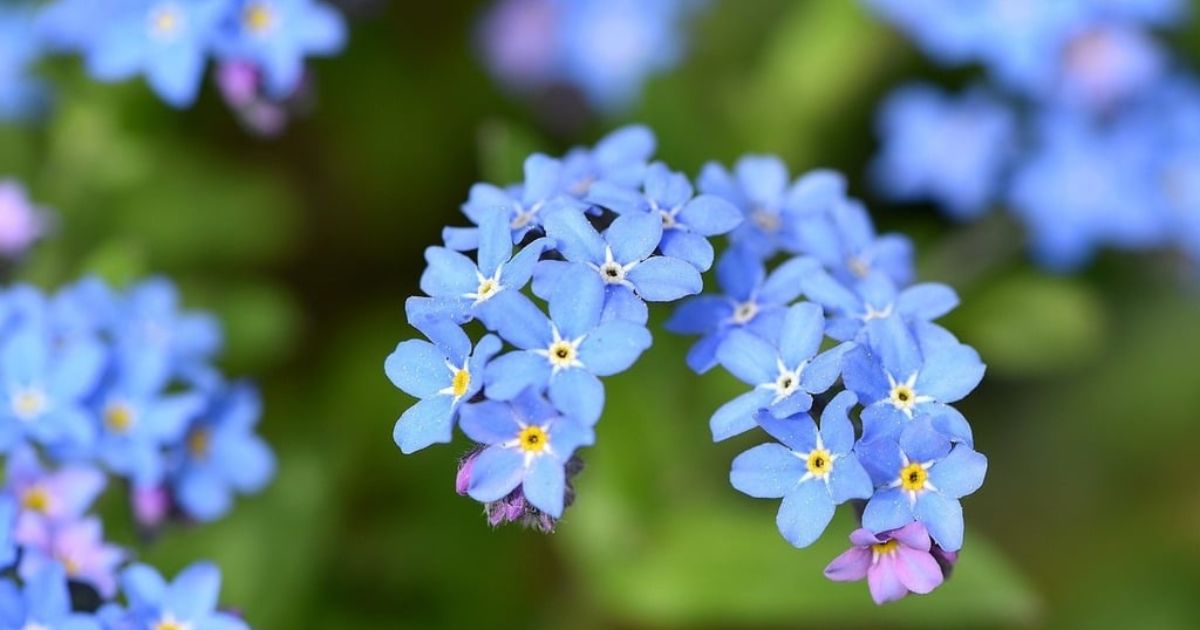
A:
{"x": 167, "y": 40}
{"x": 784, "y": 377}
{"x": 772, "y": 207}
{"x": 566, "y": 352}
{"x": 442, "y": 374}
{"x": 276, "y": 35}
{"x": 190, "y": 601}
{"x": 222, "y": 454}
{"x": 844, "y": 240}
{"x": 463, "y": 289}
{"x": 49, "y": 498}
{"x": 45, "y": 602}
{"x": 21, "y": 95}
{"x": 529, "y": 444}
{"x": 687, "y": 220}
{"x": 812, "y": 471}
{"x": 947, "y": 149}
{"x": 43, "y": 389}
{"x": 920, "y": 478}
{"x": 622, "y": 259}
{"x": 618, "y": 159}
{"x": 8, "y": 523}
{"x": 752, "y": 300}
{"x": 903, "y": 374}
{"x": 523, "y": 205}
{"x": 874, "y": 297}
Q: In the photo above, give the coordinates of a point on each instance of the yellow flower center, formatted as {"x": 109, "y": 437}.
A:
{"x": 461, "y": 382}
{"x": 885, "y": 548}
{"x": 169, "y": 623}
{"x": 29, "y": 404}
{"x": 521, "y": 219}
{"x": 36, "y": 499}
{"x": 118, "y": 418}
{"x": 533, "y": 439}
{"x": 198, "y": 443}
{"x": 70, "y": 565}
{"x": 913, "y": 477}
{"x": 166, "y": 21}
{"x": 487, "y": 288}
{"x": 903, "y": 396}
{"x": 562, "y": 353}
{"x": 820, "y": 463}
{"x": 259, "y": 17}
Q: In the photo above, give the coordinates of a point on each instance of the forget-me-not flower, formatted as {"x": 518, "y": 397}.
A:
{"x": 894, "y": 563}
{"x": 188, "y": 602}
{"x": 43, "y": 604}
{"x": 80, "y": 548}
{"x": 276, "y": 35}
{"x": 618, "y": 159}
{"x": 874, "y": 297}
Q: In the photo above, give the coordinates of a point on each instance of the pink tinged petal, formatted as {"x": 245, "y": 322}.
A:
{"x": 851, "y": 566}
{"x": 913, "y": 536}
{"x": 863, "y": 537}
{"x": 917, "y": 570}
{"x": 883, "y": 581}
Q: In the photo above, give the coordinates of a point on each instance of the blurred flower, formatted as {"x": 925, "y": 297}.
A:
{"x": 894, "y": 563}
{"x": 874, "y": 297}
{"x": 21, "y": 222}
{"x": 21, "y": 95}
{"x": 188, "y": 602}
{"x": 618, "y": 159}
{"x": 48, "y": 498}
{"x": 843, "y": 239}
{"x": 241, "y": 85}
{"x": 529, "y": 444}
{"x": 44, "y": 602}
{"x": 523, "y": 205}
{"x": 151, "y": 505}
{"x": 80, "y": 548}
{"x": 277, "y": 35}
{"x": 812, "y": 471}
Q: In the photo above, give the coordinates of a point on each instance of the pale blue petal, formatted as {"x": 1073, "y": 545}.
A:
{"x": 805, "y": 513}
{"x": 418, "y": 368}
{"x": 887, "y": 510}
{"x": 882, "y": 420}
{"x": 449, "y": 274}
{"x": 696, "y": 250}
{"x": 613, "y": 347}
{"x": 849, "y": 480}
{"x": 579, "y": 395}
{"x": 749, "y": 358}
{"x": 510, "y": 374}
{"x": 709, "y": 215}
{"x": 737, "y": 416}
{"x": 617, "y": 198}
{"x": 767, "y": 471}
{"x": 495, "y": 473}
{"x": 740, "y": 273}
{"x": 488, "y": 422}
{"x": 943, "y": 518}
{"x": 665, "y": 279}
{"x": 785, "y": 283}
{"x": 836, "y": 430}
{"x": 926, "y": 301}
{"x": 699, "y": 315}
{"x": 803, "y": 331}
{"x": 193, "y": 593}
{"x": 798, "y": 432}
{"x": 577, "y": 301}
{"x": 517, "y": 271}
{"x": 428, "y": 422}
{"x": 763, "y": 177}
{"x": 576, "y": 239}
{"x": 495, "y": 247}
{"x": 633, "y": 237}
{"x": 921, "y": 443}
{"x": 824, "y": 370}
{"x": 960, "y": 473}
{"x": 545, "y": 485}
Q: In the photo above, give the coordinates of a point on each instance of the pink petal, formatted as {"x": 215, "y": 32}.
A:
{"x": 918, "y": 570}
{"x": 912, "y": 535}
{"x": 851, "y": 566}
{"x": 883, "y": 582}
{"x": 864, "y": 537}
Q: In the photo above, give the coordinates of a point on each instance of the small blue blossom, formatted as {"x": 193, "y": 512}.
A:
{"x": 921, "y": 478}
{"x": 190, "y": 601}
{"x": 48, "y": 498}
{"x": 843, "y": 239}
{"x": 752, "y": 300}
{"x": 21, "y": 95}
{"x": 566, "y": 352}
{"x": 45, "y": 602}
{"x": 442, "y": 375}
{"x": 874, "y": 297}
{"x": 784, "y": 377}
{"x": 812, "y": 471}
{"x": 618, "y": 159}
{"x": 529, "y": 443}
{"x": 523, "y": 205}
{"x": 277, "y": 35}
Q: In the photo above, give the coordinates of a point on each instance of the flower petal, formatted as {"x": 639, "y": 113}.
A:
{"x": 496, "y": 472}
{"x": 767, "y": 471}
{"x": 805, "y": 513}
{"x": 665, "y": 279}
{"x": 425, "y": 423}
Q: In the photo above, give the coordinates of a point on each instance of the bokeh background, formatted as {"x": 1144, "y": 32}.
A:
{"x": 307, "y": 246}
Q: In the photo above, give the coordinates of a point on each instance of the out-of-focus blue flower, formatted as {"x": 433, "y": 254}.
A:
{"x": 784, "y": 376}
{"x": 221, "y": 455}
{"x": 812, "y": 471}
{"x": 905, "y": 374}
{"x": 618, "y": 159}
{"x": 523, "y": 204}
{"x": 874, "y": 297}
{"x": 529, "y": 445}
{"x": 21, "y": 222}
{"x": 844, "y": 241}
{"x": 156, "y": 340}
{"x": 45, "y": 602}
{"x": 21, "y": 95}
{"x": 687, "y": 220}
{"x": 8, "y": 519}
{"x": 47, "y": 498}
{"x": 80, "y": 548}
{"x": 166, "y": 40}
{"x": 921, "y": 479}
{"x": 752, "y": 300}
{"x": 516, "y": 42}
{"x": 190, "y": 601}
{"x": 951, "y": 150}
{"x": 276, "y": 35}
{"x": 566, "y": 352}
{"x": 442, "y": 375}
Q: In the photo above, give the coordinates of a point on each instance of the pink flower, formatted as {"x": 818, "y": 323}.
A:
{"x": 895, "y": 563}
{"x": 21, "y": 223}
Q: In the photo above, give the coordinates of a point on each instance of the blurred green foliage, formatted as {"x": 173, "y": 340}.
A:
{"x": 306, "y": 246}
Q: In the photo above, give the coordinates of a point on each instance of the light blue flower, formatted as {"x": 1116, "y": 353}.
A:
{"x": 844, "y": 240}
{"x": 687, "y": 220}
{"x": 529, "y": 444}
{"x": 442, "y": 375}
{"x": 752, "y": 300}
{"x": 784, "y": 376}
{"x": 566, "y": 352}
{"x": 874, "y": 297}
{"x": 812, "y": 471}
{"x": 622, "y": 258}
{"x": 618, "y": 159}
{"x": 45, "y": 602}
{"x": 190, "y": 601}
{"x": 166, "y": 40}
{"x": 222, "y": 455}
{"x": 921, "y": 479}
{"x": 21, "y": 95}
{"x": 524, "y": 205}
{"x": 950, "y": 150}
{"x": 277, "y": 35}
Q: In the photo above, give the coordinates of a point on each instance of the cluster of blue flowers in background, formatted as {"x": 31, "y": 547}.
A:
{"x": 605, "y": 49}
{"x": 98, "y": 384}
{"x": 261, "y": 46}
{"x": 601, "y": 232}
{"x": 1086, "y": 128}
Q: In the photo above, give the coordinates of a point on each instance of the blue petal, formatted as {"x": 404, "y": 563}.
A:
{"x": 749, "y": 358}
{"x": 448, "y": 337}
{"x": 175, "y": 73}
{"x": 737, "y": 416}
{"x": 823, "y": 289}
{"x": 633, "y": 237}
{"x": 323, "y": 30}
{"x": 143, "y": 586}
{"x": 699, "y": 315}
{"x": 895, "y": 346}
{"x": 882, "y": 420}
{"x": 613, "y": 347}
{"x": 619, "y": 199}
{"x": 545, "y": 485}
{"x": 715, "y": 179}
{"x": 948, "y": 421}
{"x": 805, "y": 513}
{"x": 960, "y": 473}
{"x": 193, "y": 593}
{"x": 816, "y": 191}
{"x": 495, "y": 246}
{"x": 688, "y": 246}
{"x": 864, "y": 376}
{"x": 621, "y": 304}
{"x": 887, "y": 510}
{"x": 576, "y": 239}
{"x": 77, "y": 370}
{"x": 46, "y": 593}
{"x": 702, "y": 356}
{"x": 709, "y": 215}
{"x": 524, "y": 325}
{"x": 516, "y": 271}
{"x": 849, "y": 480}
{"x": 797, "y": 432}
{"x": 951, "y": 370}
{"x": 763, "y": 177}
{"x": 449, "y": 274}
{"x": 203, "y": 496}
{"x": 785, "y": 283}
{"x": 251, "y": 463}
{"x": 495, "y": 473}
{"x": 488, "y": 422}
{"x": 767, "y": 471}
{"x": 740, "y": 273}
{"x": 665, "y": 279}
{"x": 823, "y": 371}
{"x": 418, "y": 368}
{"x": 421, "y": 310}
{"x": 632, "y": 143}
{"x": 543, "y": 177}
{"x": 803, "y": 331}
{"x": 882, "y": 459}
{"x": 798, "y": 401}
{"x": 546, "y": 274}
{"x": 668, "y": 188}
{"x": 922, "y": 444}
{"x": 510, "y": 374}
{"x": 427, "y": 422}
{"x": 579, "y": 395}
{"x": 577, "y": 301}
{"x": 926, "y": 301}
{"x": 461, "y": 239}
{"x": 943, "y": 518}
{"x": 836, "y": 430}
{"x": 485, "y": 199}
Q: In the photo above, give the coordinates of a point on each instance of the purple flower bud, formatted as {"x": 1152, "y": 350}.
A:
{"x": 21, "y": 223}
{"x": 894, "y": 563}
{"x": 462, "y": 481}
{"x": 239, "y": 83}
{"x": 150, "y": 506}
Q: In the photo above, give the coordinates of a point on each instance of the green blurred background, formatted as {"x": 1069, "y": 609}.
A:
{"x": 308, "y": 245}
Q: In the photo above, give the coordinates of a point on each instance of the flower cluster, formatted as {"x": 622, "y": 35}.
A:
{"x": 603, "y": 48}
{"x": 169, "y": 42}
{"x": 97, "y": 382}
{"x": 601, "y": 232}
{"x": 1086, "y": 130}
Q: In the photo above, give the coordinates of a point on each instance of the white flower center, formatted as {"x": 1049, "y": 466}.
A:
{"x": 29, "y": 404}
{"x": 765, "y": 220}
{"x": 562, "y": 353}
{"x": 744, "y": 312}
{"x": 165, "y": 22}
